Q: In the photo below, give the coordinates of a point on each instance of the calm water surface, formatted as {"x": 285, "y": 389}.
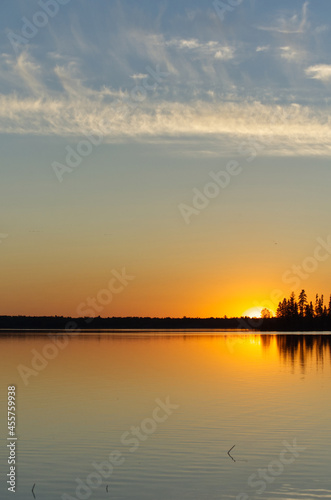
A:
{"x": 261, "y": 393}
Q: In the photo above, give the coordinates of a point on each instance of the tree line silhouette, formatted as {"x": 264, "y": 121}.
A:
{"x": 301, "y": 308}
{"x": 292, "y": 315}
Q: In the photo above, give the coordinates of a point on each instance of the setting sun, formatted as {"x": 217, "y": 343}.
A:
{"x": 256, "y": 312}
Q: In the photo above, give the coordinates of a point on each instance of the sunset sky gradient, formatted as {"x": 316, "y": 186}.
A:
{"x": 173, "y": 93}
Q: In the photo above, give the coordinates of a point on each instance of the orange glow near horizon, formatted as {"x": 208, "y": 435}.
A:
{"x": 253, "y": 312}
{"x": 256, "y": 312}
{"x": 36, "y": 288}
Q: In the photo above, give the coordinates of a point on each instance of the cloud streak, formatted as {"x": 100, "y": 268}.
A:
{"x": 319, "y": 72}
{"x": 204, "y": 98}
{"x": 203, "y": 49}
{"x": 292, "y": 130}
{"x": 290, "y": 25}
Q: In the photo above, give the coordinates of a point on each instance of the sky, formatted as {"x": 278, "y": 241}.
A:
{"x": 163, "y": 158}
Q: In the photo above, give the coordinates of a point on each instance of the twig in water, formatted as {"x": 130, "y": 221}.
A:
{"x": 107, "y": 488}
{"x": 239, "y": 459}
{"x": 34, "y": 496}
{"x": 229, "y": 452}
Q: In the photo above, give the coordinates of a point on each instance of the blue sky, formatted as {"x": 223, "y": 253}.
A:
{"x": 173, "y": 92}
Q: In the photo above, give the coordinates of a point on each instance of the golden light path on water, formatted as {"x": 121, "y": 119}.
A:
{"x": 248, "y": 390}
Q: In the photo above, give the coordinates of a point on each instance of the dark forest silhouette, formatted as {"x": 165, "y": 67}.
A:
{"x": 301, "y": 314}
{"x": 117, "y": 323}
{"x": 292, "y": 315}
{"x": 301, "y": 308}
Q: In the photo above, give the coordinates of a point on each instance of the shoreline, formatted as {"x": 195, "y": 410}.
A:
{"x": 155, "y": 332}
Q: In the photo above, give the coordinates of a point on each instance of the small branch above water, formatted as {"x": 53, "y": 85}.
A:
{"x": 229, "y": 452}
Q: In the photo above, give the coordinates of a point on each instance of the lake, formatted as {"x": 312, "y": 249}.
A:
{"x": 163, "y": 415}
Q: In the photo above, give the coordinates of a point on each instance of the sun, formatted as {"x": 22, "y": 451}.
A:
{"x": 255, "y": 312}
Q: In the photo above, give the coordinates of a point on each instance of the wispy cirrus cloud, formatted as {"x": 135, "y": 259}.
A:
{"x": 202, "y": 98}
{"x": 262, "y": 48}
{"x": 290, "y": 54}
{"x": 293, "y": 130}
{"x": 296, "y": 24}
{"x": 139, "y": 76}
{"x": 210, "y": 48}
{"x": 319, "y": 72}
